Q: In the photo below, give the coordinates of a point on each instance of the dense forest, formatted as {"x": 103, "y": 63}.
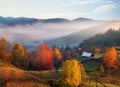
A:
{"x": 107, "y": 39}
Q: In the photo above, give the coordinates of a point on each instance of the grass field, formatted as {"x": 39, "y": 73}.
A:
{"x": 16, "y": 77}
{"x": 26, "y": 84}
{"x": 91, "y": 65}
{"x": 12, "y": 76}
{"x": 93, "y": 84}
{"x": 98, "y": 55}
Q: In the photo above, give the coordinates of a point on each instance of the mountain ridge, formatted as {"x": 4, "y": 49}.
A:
{"x": 12, "y": 21}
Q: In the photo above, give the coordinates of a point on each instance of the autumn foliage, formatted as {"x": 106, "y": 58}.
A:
{"x": 57, "y": 53}
{"x": 57, "y": 58}
{"x": 97, "y": 50}
{"x": 44, "y": 57}
{"x": 4, "y": 45}
{"x": 19, "y": 48}
{"x": 71, "y": 72}
{"x": 18, "y": 54}
{"x": 110, "y": 58}
{"x": 4, "y": 55}
{"x": 4, "y": 49}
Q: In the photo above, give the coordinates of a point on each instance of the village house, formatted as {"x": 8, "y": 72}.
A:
{"x": 87, "y": 55}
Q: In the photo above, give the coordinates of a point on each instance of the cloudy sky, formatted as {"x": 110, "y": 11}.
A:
{"x": 96, "y": 9}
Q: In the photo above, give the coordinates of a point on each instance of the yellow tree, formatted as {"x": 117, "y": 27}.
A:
{"x": 110, "y": 58}
{"x": 17, "y": 54}
{"x": 71, "y": 72}
{"x": 20, "y": 48}
{"x": 57, "y": 58}
{"x": 57, "y": 53}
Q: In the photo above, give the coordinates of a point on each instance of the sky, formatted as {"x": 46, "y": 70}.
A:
{"x": 70, "y": 9}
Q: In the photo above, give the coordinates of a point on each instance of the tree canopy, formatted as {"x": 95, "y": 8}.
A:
{"x": 110, "y": 58}
{"x": 44, "y": 57}
{"x": 107, "y": 39}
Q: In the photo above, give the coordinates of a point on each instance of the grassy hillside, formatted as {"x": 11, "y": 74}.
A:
{"x": 11, "y": 76}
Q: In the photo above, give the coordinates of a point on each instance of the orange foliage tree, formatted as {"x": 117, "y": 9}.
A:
{"x": 44, "y": 57}
{"x": 18, "y": 54}
{"x": 110, "y": 58}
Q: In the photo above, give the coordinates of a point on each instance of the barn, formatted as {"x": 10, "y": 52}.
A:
{"x": 87, "y": 55}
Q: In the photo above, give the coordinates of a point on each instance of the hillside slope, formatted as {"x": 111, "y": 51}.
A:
{"x": 11, "y": 76}
{"x": 75, "y": 39}
{"x": 107, "y": 39}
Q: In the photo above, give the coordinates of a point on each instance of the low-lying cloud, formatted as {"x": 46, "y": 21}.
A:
{"x": 40, "y": 32}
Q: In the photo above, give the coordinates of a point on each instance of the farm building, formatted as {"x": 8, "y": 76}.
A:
{"x": 87, "y": 54}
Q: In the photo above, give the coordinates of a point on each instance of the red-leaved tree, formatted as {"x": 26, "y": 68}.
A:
{"x": 110, "y": 58}
{"x": 44, "y": 58}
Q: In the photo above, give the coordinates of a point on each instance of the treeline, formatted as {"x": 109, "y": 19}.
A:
{"x": 107, "y": 39}
{"x": 43, "y": 58}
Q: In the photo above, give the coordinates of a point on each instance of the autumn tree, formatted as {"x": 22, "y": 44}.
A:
{"x": 29, "y": 59}
{"x": 57, "y": 54}
{"x": 71, "y": 73}
{"x": 44, "y": 57}
{"x": 4, "y": 49}
{"x": 18, "y": 54}
{"x": 97, "y": 50}
{"x": 4, "y": 45}
{"x": 110, "y": 58}
{"x": 5, "y": 56}
{"x": 57, "y": 58}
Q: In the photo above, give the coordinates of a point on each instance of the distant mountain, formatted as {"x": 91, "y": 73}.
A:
{"x": 61, "y": 20}
{"x": 55, "y": 20}
{"x": 11, "y": 21}
{"x": 82, "y": 19}
{"x": 75, "y": 39}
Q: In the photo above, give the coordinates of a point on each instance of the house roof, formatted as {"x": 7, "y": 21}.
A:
{"x": 87, "y": 54}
